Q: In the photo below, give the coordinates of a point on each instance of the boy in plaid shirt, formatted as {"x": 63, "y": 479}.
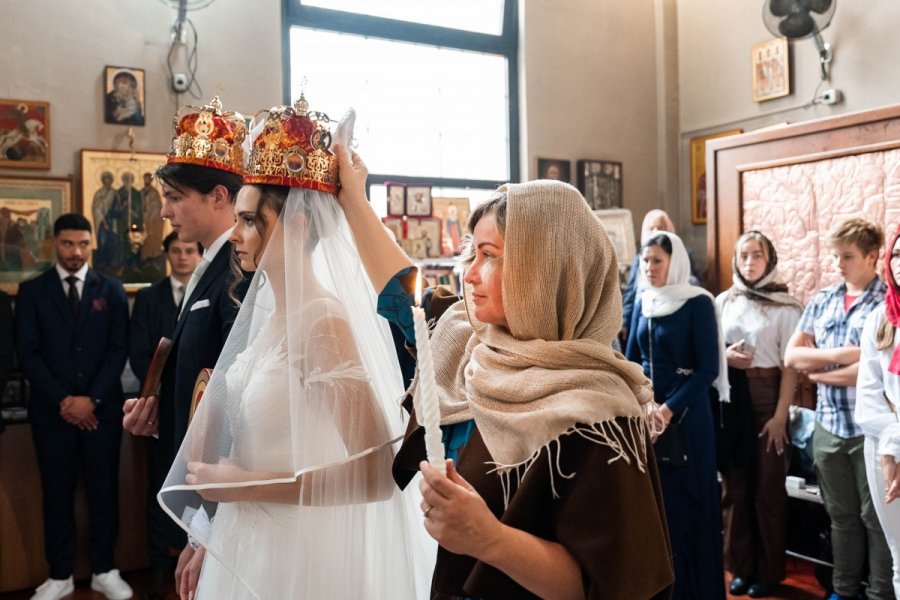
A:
{"x": 826, "y": 347}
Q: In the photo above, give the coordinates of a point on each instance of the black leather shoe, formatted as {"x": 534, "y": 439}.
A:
{"x": 738, "y": 586}
{"x": 760, "y": 590}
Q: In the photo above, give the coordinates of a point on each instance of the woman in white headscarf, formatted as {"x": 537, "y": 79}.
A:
{"x": 675, "y": 335}
{"x": 654, "y": 221}
{"x": 292, "y": 444}
{"x": 550, "y": 492}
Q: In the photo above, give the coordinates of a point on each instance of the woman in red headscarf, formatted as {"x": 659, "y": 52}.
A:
{"x": 877, "y": 395}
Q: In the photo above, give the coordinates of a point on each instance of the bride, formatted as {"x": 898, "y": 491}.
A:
{"x": 292, "y": 445}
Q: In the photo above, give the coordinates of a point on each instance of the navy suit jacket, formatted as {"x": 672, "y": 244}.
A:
{"x": 199, "y": 335}
{"x": 64, "y": 355}
{"x": 153, "y": 316}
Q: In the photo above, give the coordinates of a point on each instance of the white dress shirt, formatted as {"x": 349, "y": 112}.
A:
{"x": 766, "y": 328}
{"x": 874, "y": 386}
{"x": 209, "y": 254}
{"x": 178, "y": 289}
{"x": 81, "y": 274}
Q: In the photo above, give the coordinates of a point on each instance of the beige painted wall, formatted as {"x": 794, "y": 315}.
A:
{"x": 56, "y": 51}
{"x": 589, "y": 89}
{"x": 714, "y": 41}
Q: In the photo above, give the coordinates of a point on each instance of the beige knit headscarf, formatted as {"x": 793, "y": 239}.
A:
{"x": 553, "y": 372}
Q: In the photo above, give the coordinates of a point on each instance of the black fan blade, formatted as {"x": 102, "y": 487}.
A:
{"x": 797, "y": 26}
{"x": 820, "y": 6}
{"x": 780, "y": 8}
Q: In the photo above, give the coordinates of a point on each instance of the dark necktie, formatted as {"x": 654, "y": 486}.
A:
{"x": 179, "y": 295}
{"x": 74, "y": 301}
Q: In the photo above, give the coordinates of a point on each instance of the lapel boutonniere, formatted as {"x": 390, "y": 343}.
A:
{"x": 98, "y": 305}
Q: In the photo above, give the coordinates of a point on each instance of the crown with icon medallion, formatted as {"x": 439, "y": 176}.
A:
{"x": 293, "y": 149}
{"x": 208, "y": 137}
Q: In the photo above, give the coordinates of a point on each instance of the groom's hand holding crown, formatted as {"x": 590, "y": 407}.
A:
{"x": 141, "y": 416}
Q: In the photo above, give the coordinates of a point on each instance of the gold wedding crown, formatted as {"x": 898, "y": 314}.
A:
{"x": 294, "y": 149}
{"x": 208, "y": 137}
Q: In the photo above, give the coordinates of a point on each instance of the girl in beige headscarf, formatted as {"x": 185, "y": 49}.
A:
{"x": 551, "y": 493}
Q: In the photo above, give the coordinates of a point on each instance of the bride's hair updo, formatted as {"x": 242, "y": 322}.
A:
{"x": 273, "y": 197}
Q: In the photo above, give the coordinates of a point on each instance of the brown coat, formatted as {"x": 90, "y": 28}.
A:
{"x": 609, "y": 516}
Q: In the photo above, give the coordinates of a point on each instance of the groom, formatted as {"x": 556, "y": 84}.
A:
{"x": 198, "y": 201}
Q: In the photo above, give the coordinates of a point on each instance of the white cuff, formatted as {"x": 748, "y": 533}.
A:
{"x": 201, "y": 526}
{"x": 889, "y": 441}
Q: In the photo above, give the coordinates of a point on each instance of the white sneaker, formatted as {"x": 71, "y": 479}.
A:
{"x": 54, "y": 589}
{"x": 111, "y": 585}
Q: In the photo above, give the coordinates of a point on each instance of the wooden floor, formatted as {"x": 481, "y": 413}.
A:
{"x": 800, "y": 584}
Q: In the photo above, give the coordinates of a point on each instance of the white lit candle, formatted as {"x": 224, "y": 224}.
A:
{"x": 427, "y": 409}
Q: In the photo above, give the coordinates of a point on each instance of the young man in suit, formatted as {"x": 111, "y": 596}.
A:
{"x": 153, "y": 316}
{"x": 198, "y": 200}
{"x": 72, "y": 332}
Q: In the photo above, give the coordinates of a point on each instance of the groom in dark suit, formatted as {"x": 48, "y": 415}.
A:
{"x": 153, "y": 316}
{"x": 198, "y": 200}
{"x": 72, "y": 334}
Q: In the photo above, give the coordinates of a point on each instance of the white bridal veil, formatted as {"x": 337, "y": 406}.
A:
{"x": 297, "y": 429}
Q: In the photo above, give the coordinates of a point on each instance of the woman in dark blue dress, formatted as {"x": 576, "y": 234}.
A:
{"x": 674, "y": 334}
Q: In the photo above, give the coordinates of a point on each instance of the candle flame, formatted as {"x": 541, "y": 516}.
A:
{"x": 419, "y": 288}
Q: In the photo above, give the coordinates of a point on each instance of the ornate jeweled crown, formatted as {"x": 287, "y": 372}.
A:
{"x": 208, "y": 137}
{"x": 293, "y": 149}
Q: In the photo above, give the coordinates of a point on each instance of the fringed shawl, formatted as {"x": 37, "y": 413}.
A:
{"x": 553, "y": 372}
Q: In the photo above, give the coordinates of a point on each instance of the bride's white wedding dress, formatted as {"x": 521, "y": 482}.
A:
{"x": 352, "y": 534}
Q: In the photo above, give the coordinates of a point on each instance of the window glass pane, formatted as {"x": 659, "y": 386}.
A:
{"x": 421, "y": 110}
{"x": 481, "y": 16}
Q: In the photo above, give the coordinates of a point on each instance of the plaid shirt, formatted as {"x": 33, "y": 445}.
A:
{"x": 832, "y": 327}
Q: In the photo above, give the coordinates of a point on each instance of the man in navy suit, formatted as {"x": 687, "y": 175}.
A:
{"x": 199, "y": 204}
{"x": 153, "y": 316}
{"x": 72, "y": 333}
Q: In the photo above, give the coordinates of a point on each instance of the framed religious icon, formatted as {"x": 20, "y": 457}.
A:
{"x": 620, "y": 230}
{"x": 396, "y": 199}
{"x": 554, "y": 168}
{"x": 415, "y": 248}
{"x": 454, "y": 216}
{"x": 122, "y": 200}
{"x": 601, "y": 183}
{"x": 395, "y": 225}
{"x": 698, "y": 174}
{"x": 123, "y": 96}
{"x": 418, "y": 200}
{"x": 24, "y": 134}
{"x": 771, "y": 69}
{"x": 428, "y": 232}
{"x": 28, "y": 208}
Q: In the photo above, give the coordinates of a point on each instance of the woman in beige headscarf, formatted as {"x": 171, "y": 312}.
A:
{"x": 552, "y": 493}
